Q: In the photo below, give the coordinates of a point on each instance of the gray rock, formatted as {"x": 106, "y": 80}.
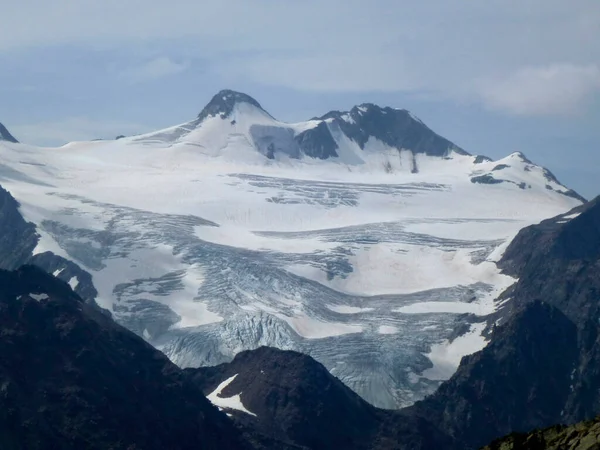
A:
{"x": 5, "y": 135}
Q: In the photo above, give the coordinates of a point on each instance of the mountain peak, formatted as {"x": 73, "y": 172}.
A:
{"x": 5, "y": 135}
{"x": 398, "y": 128}
{"x": 222, "y": 104}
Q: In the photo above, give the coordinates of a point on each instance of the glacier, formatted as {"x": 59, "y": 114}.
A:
{"x": 236, "y": 230}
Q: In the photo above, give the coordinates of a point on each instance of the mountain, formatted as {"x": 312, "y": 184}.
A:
{"x": 345, "y": 135}
{"x": 235, "y": 231}
{"x": 5, "y": 135}
{"x": 581, "y": 436}
{"x": 290, "y": 397}
{"x": 517, "y": 383}
{"x": 71, "y": 378}
{"x": 539, "y": 368}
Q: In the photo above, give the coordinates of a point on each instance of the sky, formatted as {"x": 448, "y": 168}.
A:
{"x": 493, "y": 76}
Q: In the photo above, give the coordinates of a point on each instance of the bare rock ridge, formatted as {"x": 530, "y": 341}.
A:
{"x": 297, "y": 401}
{"x": 397, "y": 128}
{"x": 5, "y": 135}
{"x": 223, "y": 103}
{"x": 71, "y": 378}
{"x": 18, "y": 242}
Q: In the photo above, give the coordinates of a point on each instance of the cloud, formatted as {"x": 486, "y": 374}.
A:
{"x": 548, "y": 90}
{"x": 69, "y": 129}
{"x": 154, "y": 69}
{"x": 449, "y": 50}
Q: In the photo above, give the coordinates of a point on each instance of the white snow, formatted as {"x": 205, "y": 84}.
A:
{"x": 234, "y": 402}
{"x": 313, "y": 328}
{"x": 571, "y": 216}
{"x": 74, "y": 282}
{"x": 443, "y": 307}
{"x": 345, "y": 309}
{"x": 446, "y": 356}
{"x": 234, "y": 236}
{"x": 39, "y": 297}
{"x": 387, "y": 329}
{"x": 282, "y": 224}
{"x": 57, "y": 272}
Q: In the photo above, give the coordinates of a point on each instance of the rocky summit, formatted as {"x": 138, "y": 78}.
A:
{"x": 6, "y": 136}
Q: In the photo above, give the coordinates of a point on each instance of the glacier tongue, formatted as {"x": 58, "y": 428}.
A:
{"x": 203, "y": 244}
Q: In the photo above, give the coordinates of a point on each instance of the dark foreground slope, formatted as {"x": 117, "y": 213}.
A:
{"x": 70, "y": 378}
{"x": 581, "y": 436}
{"x": 542, "y": 366}
{"x": 297, "y": 401}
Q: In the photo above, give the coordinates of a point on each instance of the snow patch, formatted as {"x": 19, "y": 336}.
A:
{"x": 446, "y": 356}
{"x": 387, "y": 329}
{"x": 344, "y": 309}
{"x": 74, "y": 282}
{"x": 39, "y": 297}
{"x": 571, "y": 216}
{"x": 313, "y": 328}
{"x": 234, "y": 402}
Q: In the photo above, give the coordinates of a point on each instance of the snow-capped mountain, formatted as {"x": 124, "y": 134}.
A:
{"x": 365, "y": 128}
{"x": 362, "y": 238}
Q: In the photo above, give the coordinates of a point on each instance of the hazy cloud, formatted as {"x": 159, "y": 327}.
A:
{"x": 154, "y": 69}
{"x": 554, "y": 89}
{"x": 60, "y": 132}
{"x": 451, "y": 50}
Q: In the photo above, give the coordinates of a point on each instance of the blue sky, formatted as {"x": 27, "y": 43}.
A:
{"x": 494, "y": 76}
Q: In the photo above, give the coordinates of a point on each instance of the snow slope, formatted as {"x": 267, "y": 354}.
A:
{"x": 234, "y": 402}
{"x": 221, "y": 235}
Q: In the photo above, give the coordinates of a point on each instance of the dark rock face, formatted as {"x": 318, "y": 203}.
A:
{"x": 71, "y": 378}
{"x": 486, "y": 179}
{"x": 543, "y": 364}
{"x": 581, "y": 436}
{"x": 318, "y": 142}
{"x": 395, "y": 127}
{"x": 564, "y": 250}
{"x": 559, "y": 260}
{"x": 5, "y": 135}
{"x": 516, "y": 383}
{"x": 500, "y": 167}
{"x": 480, "y": 159}
{"x": 298, "y": 402}
{"x": 223, "y": 103}
{"x": 67, "y": 270}
{"x": 17, "y": 237}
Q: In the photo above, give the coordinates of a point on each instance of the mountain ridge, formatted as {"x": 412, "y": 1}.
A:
{"x": 72, "y": 378}
{"x": 317, "y": 137}
{"x": 6, "y": 136}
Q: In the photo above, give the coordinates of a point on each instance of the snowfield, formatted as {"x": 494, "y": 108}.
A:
{"x": 205, "y": 247}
